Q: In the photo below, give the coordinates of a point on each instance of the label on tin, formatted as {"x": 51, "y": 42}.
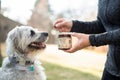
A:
{"x": 64, "y": 43}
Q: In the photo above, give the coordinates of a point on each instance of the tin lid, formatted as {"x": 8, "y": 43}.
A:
{"x": 65, "y": 33}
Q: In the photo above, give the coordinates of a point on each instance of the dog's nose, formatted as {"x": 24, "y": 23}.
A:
{"x": 45, "y": 33}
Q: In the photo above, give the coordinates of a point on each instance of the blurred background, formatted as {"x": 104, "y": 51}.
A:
{"x": 86, "y": 64}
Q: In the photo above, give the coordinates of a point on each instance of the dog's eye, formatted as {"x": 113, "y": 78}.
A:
{"x": 32, "y": 33}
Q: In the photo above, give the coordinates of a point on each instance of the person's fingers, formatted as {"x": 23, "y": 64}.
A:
{"x": 75, "y": 45}
{"x": 60, "y": 24}
{"x": 61, "y": 29}
{"x": 73, "y": 49}
{"x": 70, "y": 50}
{"x": 57, "y": 21}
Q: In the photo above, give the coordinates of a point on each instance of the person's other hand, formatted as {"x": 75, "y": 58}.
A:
{"x": 63, "y": 25}
{"x": 82, "y": 42}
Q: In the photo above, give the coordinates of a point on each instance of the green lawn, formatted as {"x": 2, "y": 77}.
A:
{"x": 0, "y": 62}
{"x": 55, "y": 72}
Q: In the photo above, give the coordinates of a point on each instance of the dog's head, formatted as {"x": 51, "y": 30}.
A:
{"x": 25, "y": 40}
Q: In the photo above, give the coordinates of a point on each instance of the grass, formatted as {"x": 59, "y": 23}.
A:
{"x": 55, "y": 72}
{"x": 0, "y": 62}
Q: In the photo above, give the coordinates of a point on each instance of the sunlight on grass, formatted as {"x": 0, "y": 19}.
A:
{"x": 83, "y": 72}
{"x": 55, "y": 72}
{"x": 83, "y": 60}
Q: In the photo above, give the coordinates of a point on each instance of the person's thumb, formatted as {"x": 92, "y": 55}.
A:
{"x": 60, "y": 24}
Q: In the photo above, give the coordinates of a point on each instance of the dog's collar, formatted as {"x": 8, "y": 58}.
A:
{"x": 27, "y": 62}
{"x": 21, "y": 61}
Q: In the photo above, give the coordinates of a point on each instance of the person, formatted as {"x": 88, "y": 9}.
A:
{"x": 105, "y": 30}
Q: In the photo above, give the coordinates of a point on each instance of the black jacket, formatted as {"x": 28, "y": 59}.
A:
{"x": 105, "y": 31}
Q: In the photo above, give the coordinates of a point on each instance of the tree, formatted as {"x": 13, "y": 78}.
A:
{"x": 0, "y": 33}
{"x": 40, "y": 18}
{"x": 0, "y": 42}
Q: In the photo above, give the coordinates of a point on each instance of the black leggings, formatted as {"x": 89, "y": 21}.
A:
{"x": 107, "y": 76}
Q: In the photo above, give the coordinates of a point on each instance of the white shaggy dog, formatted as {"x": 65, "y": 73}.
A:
{"x": 21, "y": 63}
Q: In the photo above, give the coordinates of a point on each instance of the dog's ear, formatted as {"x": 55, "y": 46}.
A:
{"x": 14, "y": 35}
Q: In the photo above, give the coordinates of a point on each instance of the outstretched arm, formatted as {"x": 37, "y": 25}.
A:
{"x": 93, "y": 27}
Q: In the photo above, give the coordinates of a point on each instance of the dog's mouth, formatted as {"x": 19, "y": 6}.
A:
{"x": 37, "y": 45}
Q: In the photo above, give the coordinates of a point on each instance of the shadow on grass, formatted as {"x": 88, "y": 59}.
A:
{"x": 55, "y": 72}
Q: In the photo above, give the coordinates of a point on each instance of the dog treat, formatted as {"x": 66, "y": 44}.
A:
{"x": 64, "y": 41}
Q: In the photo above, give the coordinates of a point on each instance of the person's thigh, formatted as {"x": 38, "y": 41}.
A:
{"x": 107, "y": 76}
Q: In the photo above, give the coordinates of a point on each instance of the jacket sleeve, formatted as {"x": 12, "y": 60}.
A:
{"x": 98, "y": 36}
{"x": 111, "y": 37}
{"x": 93, "y": 27}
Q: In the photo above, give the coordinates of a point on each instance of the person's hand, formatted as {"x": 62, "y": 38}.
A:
{"x": 63, "y": 25}
{"x": 82, "y": 42}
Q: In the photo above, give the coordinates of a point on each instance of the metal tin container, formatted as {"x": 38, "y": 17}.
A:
{"x": 64, "y": 41}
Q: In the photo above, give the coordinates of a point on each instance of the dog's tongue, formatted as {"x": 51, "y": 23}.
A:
{"x": 38, "y": 45}
{"x": 41, "y": 45}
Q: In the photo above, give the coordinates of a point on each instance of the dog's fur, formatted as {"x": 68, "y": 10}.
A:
{"x": 23, "y": 44}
